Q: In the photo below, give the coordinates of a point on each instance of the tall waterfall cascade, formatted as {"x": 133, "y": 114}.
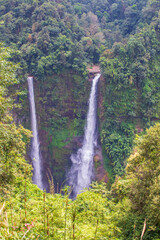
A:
{"x": 81, "y": 172}
{"x": 35, "y": 151}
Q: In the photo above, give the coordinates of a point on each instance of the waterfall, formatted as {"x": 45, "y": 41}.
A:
{"x": 35, "y": 152}
{"x": 81, "y": 172}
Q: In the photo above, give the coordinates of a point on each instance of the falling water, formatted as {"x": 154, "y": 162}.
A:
{"x": 35, "y": 153}
{"x": 81, "y": 172}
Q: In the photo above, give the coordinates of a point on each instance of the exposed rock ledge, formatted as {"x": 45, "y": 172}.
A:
{"x": 94, "y": 69}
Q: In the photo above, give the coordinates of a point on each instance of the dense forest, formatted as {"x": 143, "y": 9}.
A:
{"x": 56, "y": 42}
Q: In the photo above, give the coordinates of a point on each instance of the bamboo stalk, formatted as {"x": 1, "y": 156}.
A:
{"x": 25, "y": 201}
{"x": 11, "y": 216}
{"x": 51, "y": 182}
{"x": 65, "y": 230}
{"x": 1, "y": 210}
{"x": 96, "y": 229}
{"x": 44, "y": 199}
{"x": 7, "y": 224}
{"x": 20, "y": 218}
{"x": 144, "y": 229}
{"x": 48, "y": 226}
{"x": 73, "y": 222}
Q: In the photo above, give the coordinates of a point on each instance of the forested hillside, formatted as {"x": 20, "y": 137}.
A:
{"x": 69, "y": 34}
{"x": 51, "y": 37}
{"x": 56, "y": 42}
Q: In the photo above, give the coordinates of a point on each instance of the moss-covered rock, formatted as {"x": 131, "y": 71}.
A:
{"x": 61, "y": 107}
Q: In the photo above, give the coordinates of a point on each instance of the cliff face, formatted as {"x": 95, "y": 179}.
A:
{"x": 62, "y": 111}
{"x": 61, "y": 106}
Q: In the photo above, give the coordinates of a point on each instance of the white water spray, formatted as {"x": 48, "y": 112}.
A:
{"x": 81, "y": 172}
{"x": 35, "y": 153}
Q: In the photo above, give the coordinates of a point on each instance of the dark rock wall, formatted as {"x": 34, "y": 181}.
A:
{"x": 61, "y": 107}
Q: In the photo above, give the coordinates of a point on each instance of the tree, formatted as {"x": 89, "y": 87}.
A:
{"x": 144, "y": 169}
{"x": 141, "y": 183}
{"x": 12, "y": 145}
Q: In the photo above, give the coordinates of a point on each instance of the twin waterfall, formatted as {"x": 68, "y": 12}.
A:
{"x": 35, "y": 153}
{"x": 81, "y": 172}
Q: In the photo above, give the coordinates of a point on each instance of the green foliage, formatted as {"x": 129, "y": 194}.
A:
{"x": 130, "y": 93}
{"x": 45, "y": 27}
{"x": 117, "y": 141}
{"x": 144, "y": 169}
{"x": 53, "y": 36}
{"x": 29, "y": 212}
{"x": 12, "y": 146}
{"x": 141, "y": 182}
{"x": 48, "y": 35}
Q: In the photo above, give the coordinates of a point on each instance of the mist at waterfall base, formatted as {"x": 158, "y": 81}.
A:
{"x": 35, "y": 151}
{"x": 80, "y": 175}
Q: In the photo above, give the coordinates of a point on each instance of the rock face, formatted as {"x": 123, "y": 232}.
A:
{"x": 61, "y": 106}
{"x": 101, "y": 174}
{"x": 92, "y": 71}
